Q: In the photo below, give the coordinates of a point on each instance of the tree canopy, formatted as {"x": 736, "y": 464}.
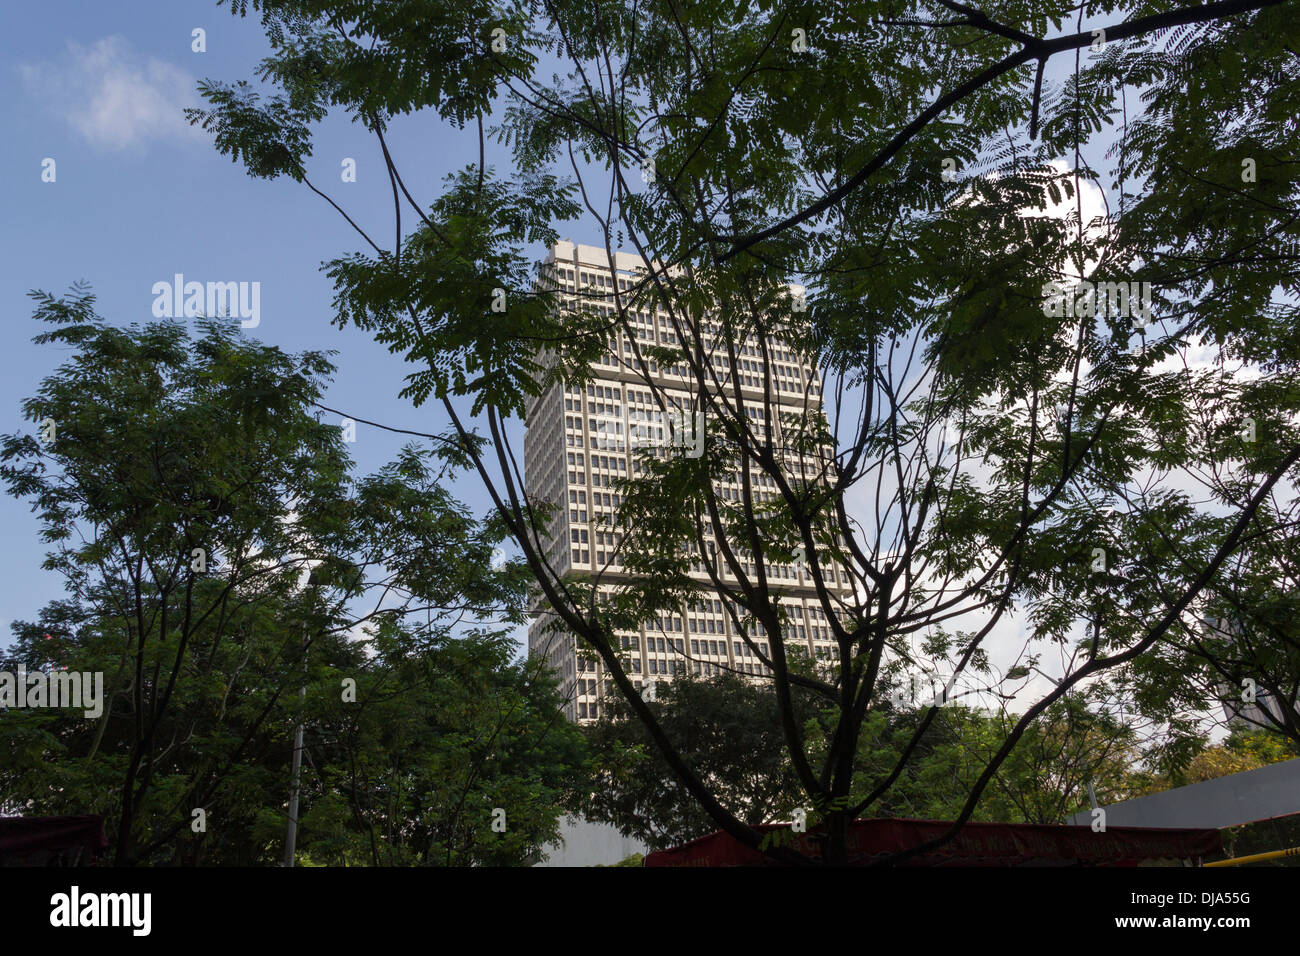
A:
{"x": 230, "y": 579}
{"x": 1032, "y": 411}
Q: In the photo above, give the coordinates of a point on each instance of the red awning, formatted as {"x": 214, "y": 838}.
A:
{"x": 977, "y": 844}
{"x": 51, "y": 841}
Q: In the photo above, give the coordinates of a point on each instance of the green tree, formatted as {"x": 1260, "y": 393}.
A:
{"x": 1043, "y": 780}
{"x": 454, "y": 755}
{"x": 1240, "y": 751}
{"x": 1240, "y": 653}
{"x": 725, "y": 727}
{"x": 218, "y": 558}
{"x": 729, "y": 730}
{"x": 998, "y": 439}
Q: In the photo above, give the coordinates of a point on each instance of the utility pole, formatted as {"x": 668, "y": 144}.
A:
{"x": 291, "y": 837}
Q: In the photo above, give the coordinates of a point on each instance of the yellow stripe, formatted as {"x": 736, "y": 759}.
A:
{"x": 1257, "y": 857}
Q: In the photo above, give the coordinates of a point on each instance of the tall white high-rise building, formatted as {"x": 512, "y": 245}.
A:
{"x": 581, "y": 439}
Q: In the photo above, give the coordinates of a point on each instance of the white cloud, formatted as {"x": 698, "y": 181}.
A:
{"x": 116, "y": 99}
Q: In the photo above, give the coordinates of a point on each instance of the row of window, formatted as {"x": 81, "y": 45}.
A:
{"x": 582, "y": 557}
{"x": 597, "y": 479}
{"x": 598, "y": 461}
{"x": 669, "y": 645}
{"x": 604, "y": 281}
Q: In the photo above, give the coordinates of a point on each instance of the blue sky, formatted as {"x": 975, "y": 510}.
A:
{"x": 139, "y": 196}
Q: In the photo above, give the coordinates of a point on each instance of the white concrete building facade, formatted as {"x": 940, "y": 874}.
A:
{"x": 580, "y": 441}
